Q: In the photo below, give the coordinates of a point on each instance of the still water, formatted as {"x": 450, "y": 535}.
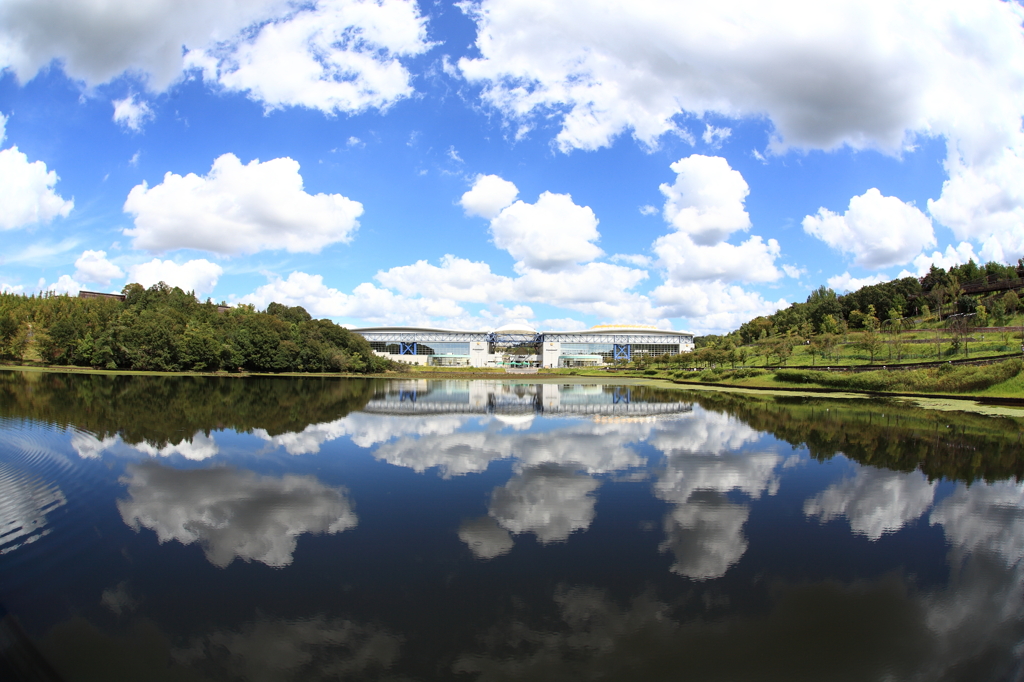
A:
{"x": 264, "y": 529}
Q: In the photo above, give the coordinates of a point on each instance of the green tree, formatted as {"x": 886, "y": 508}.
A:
{"x": 870, "y": 341}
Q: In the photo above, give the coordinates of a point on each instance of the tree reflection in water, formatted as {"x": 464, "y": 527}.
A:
{"x": 506, "y": 531}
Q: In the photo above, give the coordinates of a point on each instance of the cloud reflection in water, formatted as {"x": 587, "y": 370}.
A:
{"x": 232, "y": 513}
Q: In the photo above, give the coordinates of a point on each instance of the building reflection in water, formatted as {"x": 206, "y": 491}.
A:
{"x": 510, "y": 531}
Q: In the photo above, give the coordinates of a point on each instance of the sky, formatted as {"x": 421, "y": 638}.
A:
{"x": 688, "y": 165}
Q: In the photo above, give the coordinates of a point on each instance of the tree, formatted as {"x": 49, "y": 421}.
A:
{"x": 871, "y": 342}
{"x": 824, "y": 346}
{"x": 1011, "y": 301}
{"x": 823, "y": 303}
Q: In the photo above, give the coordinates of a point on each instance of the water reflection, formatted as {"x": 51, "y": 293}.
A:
{"x": 232, "y": 513}
{"x": 552, "y": 501}
{"x": 506, "y": 531}
{"x": 25, "y": 502}
{"x": 876, "y": 501}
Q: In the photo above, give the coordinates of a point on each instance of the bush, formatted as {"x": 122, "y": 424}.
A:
{"x": 945, "y": 378}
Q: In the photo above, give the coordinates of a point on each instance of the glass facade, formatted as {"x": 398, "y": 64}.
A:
{"x": 433, "y": 348}
{"x": 607, "y": 350}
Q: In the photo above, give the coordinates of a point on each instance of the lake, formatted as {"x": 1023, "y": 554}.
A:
{"x": 266, "y": 528}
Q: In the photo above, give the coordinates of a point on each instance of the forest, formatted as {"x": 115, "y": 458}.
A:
{"x": 988, "y": 293}
{"x": 165, "y": 329}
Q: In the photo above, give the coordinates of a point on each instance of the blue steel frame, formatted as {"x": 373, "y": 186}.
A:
{"x": 406, "y": 348}
{"x": 621, "y": 351}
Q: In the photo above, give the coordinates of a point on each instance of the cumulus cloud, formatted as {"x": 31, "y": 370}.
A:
{"x": 198, "y": 275}
{"x": 239, "y": 209}
{"x": 335, "y": 56}
{"x": 878, "y": 231}
{"x": 959, "y": 255}
{"x": 131, "y": 112}
{"x": 232, "y": 513}
{"x": 27, "y": 195}
{"x": 96, "y": 42}
{"x": 875, "y": 501}
{"x": 456, "y": 279}
{"x": 332, "y": 55}
{"x": 706, "y": 200}
{"x": 985, "y": 202}
{"x": 683, "y": 260}
{"x": 64, "y": 285}
{"x": 488, "y": 196}
{"x": 847, "y": 282}
{"x": 93, "y": 267}
{"x": 575, "y": 284}
{"x": 713, "y": 306}
{"x": 847, "y": 73}
{"x": 551, "y": 234}
{"x": 366, "y": 302}
{"x": 550, "y": 501}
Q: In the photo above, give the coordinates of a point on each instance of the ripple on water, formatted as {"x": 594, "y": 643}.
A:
{"x": 35, "y": 469}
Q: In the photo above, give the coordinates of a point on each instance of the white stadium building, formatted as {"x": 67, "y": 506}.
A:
{"x": 517, "y": 344}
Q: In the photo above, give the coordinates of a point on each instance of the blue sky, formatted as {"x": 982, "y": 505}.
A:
{"x": 475, "y": 163}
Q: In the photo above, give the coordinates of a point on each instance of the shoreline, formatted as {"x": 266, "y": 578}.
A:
{"x": 992, "y": 405}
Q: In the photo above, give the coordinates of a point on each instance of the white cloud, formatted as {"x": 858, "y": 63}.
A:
{"x": 647, "y": 209}
{"x": 879, "y": 231}
{"x": 636, "y": 259}
{"x": 589, "y": 283}
{"x": 97, "y": 41}
{"x": 198, "y": 275}
{"x": 715, "y": 136}
{"x": 93, "y": 267}
{"x": 953, "y": 256}
{"x": 131, "y": 112}
{"x": 488, "y": 195}
{"x": 27, "y": 196}
{"x": 335, "y": 56}
{"x": 456, "y": 279}
{"x": 232, "y": 513}
{"x": 551, "y": 234}
{"x": 985, "y": 202}
{"x": 794, "y": 272}
{"x": 239, "y": 209}
{"x": 706, "y": 200}
{"x": 64, "y": 285}
{"x": 876, "y": 501}
{"x": 847, "y": 282}
{"x": 683, "y": 260}
{"x": 366, "y": 302}
{"x": 861, "y": 74}
{"x": 713, "y": 306}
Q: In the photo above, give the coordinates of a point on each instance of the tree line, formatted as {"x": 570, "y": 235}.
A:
{"x": 163, "y": 328}
{"x": 871, "y": 310}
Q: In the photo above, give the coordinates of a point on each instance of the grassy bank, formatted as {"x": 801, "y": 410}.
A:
{"x": 1003, "y": 379}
